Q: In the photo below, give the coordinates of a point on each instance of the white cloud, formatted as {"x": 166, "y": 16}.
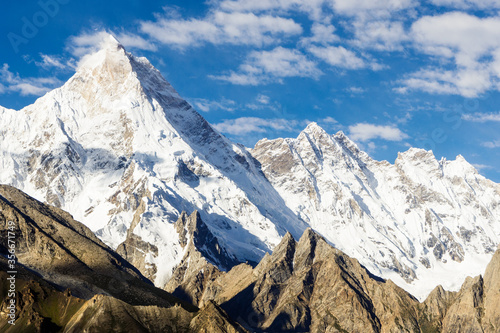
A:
{"x": 89, "y": 42}
{"x": 131, "y": 41}
{"x": 264, "y": 102}
{"x": 12, "y": 82}
{"x": 491, "y": 144}
{"x": 329, "y": 120}
{"x": 338, "y": 56}
{"x": 263, "y": 67}
{"x": 481, "y": 167}
{"x": 323, "y": 34}
{"x": 86, "y": 42}
{"x": 355, "y": 90}
{"x": 482, "y": 117}
{"x": 466, "y": 45}
{"x": 465, "y": 82}
{"x": 49, "y": 62}
{"x": 466, "y": 4}
{"x": 245, "y": 125}
{"x": 314, "y": 8}
{"x": 263, "y": 99}
{"x": 329, "y": 123}
{"x": 457, "y": 35}
{"x": 384, "y": 35}
{"x": 221, "y": 28}
{"x": 365, "y": 132}
{"x": 206, "y": 105}
{"x": 370, "y": 8}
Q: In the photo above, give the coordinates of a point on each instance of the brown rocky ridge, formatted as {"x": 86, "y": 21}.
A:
{"x": 69, "y": 281}
{"x": 309, "y": 286}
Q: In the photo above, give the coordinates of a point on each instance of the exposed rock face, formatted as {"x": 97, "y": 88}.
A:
{"x": 199, "y": 266}
{"x": 68, "y": 254}
{"x": 309, "y": 286}
{"x": 475, "y": 308}
{"x": 304, "y": 286}
{"x": 39, "y": 306}
{"x": 59, "y": 257}
{"x": 108, "y": 314}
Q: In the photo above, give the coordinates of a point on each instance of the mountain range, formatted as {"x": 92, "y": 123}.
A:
{"x": 118, "y": 148}
{"x": 67, "y": 280}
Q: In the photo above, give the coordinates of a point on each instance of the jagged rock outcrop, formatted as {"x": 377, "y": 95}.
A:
{"x": 309, "y": 286}
{"x": 201, "y": 262}
{"x": 475, "y": 308}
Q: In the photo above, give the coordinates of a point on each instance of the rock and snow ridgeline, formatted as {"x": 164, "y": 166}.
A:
{"x": 120, "y": 149}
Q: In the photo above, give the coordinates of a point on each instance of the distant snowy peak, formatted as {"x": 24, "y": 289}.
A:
{"x": 414, "y": 221}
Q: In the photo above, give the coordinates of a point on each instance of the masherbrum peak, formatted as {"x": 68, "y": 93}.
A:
{"x": 120, "y": 149}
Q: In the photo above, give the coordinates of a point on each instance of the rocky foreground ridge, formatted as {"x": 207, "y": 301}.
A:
{"x": 69, "y": 281}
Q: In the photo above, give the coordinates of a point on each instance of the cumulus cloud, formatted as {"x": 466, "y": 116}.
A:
{"x": 221, "y": 28}
{"x": 465, "y": 81}
{"x": 246, "y": 125}
{"x": 466, "y": 4}
{"x": 338, "y": 56}
{"x": 37, "y": 86}
{"x": 262, "y": 67}
{"x": 371, "y": 8}
{"x": 382, "y": 35}
{"x": 322, "y": 34}
{"x": 482, "y": 117}
{"x": 491, "y": 144}
{"x": 366, "y": 132}
{"x": 469, "y": 49}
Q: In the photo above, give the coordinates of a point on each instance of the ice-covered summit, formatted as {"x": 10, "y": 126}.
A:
{"x": 121, "y": 150}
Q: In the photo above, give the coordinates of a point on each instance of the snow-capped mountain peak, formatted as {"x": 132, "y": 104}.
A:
{"x": 419, "y": 221}
{"x": 120, "y": 149}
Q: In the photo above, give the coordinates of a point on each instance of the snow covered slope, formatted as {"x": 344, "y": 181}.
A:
{"x": 420, "y": 222}
{"x": 119, "y": 148}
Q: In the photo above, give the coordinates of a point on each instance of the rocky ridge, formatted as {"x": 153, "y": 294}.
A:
{"x": 68, "y": 280}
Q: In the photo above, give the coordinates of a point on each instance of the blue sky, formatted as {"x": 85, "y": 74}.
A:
{"x": 391, "y": 74}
